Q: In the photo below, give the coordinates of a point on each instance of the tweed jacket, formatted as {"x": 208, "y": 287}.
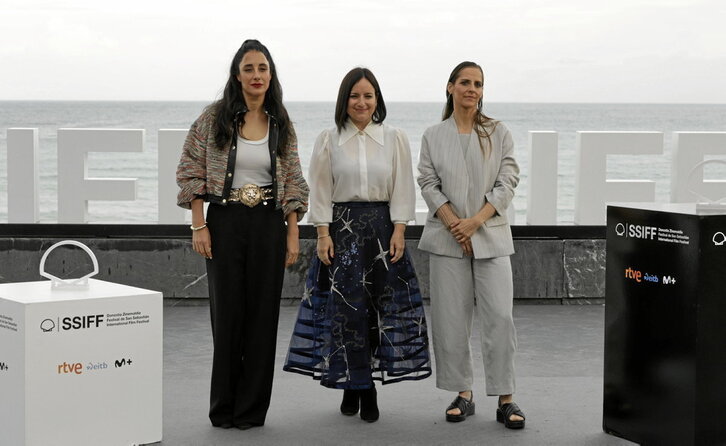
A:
{"x": 467, "y": 183}
{"x": 206, "y": 171}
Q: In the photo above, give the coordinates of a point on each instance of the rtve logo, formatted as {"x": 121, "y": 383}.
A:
{"x": 638, "y": 276}
{"x": 628, "y": 230}
{"x": 66, "y": 368}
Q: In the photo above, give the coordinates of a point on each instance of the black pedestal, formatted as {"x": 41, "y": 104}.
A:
{"x": 665, "y": 326}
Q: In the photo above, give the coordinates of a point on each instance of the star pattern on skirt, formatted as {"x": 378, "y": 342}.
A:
{"x": 346, "y": 223}
{"x": 382, "y": 329}
{"x": 347, "y": 364}
{"x": 306, "y": 294}
{"x": 382, "y": 334}
{"x": 334, "y": 288}
{"x": 391, "y": 299}
{"x": 364, "y": 282}
{"x": 420, "y": 324}
{"x": 408, "y": 288}
{"x": 381, "y": 255}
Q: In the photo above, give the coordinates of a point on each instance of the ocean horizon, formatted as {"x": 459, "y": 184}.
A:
{"x": 310, "y": 118}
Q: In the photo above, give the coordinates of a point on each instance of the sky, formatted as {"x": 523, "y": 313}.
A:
{"x": 631, "y": 51}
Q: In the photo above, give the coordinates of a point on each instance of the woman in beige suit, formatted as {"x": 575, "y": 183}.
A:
{"x": 467, "y": 177}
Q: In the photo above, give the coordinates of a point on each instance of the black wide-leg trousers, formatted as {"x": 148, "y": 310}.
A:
{"x": 245, "y": 283}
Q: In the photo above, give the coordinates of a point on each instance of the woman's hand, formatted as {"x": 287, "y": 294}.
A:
{"x": 398, "y": 243}
{"x": 293, "y": 246}
{"x": 467, "y": 248}
{"x": 202, "y": 242}
{"x": 463, "y": 229}
{"x": 325, "y": 249}
{"x": 449, "y": 218}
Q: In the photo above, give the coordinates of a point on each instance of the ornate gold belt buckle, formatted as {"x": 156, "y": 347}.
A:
{"x": 250, "y": 195}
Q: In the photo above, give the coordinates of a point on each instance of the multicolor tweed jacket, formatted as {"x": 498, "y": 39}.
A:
{"x": 206, "y": 171}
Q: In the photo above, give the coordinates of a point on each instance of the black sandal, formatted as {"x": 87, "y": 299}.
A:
{"x": 505, "y": 412}
{"x": 466, "y": 408}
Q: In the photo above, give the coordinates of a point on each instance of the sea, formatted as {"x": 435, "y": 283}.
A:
{"x": 310, "y": 118}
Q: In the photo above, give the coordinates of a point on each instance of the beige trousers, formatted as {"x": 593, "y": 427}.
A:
{"x": 456, "y": 284}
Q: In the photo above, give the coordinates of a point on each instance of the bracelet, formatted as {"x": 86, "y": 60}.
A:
{"x": 197, "y": 228}
{"x": 323, "y": 236}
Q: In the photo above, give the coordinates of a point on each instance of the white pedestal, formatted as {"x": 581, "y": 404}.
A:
{"x": 80, "y": 366}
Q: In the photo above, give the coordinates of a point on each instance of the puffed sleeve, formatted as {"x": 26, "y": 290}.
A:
{"x": 507, "y": 178}
{"x": 191, "y": 174}
{"x": 403, "y": 195}
{"x": 295, "y": 196}
{"x": 428, "y": 179}
{"x": 321, "y": 182}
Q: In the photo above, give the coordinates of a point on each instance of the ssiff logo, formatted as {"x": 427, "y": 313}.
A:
{"x": 718, "y": 239}
{"x": 635, "y": 231}
{"x": 47, "y": 325}
{"x": 72, "y": 323}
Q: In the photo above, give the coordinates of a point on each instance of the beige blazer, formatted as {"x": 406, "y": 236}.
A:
{"x": 446, "y": 175}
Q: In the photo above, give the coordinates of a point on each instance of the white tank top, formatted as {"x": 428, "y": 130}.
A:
{"x": 253, "y": 163}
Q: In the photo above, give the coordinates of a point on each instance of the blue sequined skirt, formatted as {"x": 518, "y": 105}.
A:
{"x": 362, "y": 317}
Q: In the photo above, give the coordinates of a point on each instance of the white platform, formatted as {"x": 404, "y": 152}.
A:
{"x": 80, "y": 366}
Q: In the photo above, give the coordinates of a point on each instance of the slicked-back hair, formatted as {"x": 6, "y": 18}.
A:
{"x": 483, "y": 124}
{"x": 346, "y": 86}
{"x": 231, "y": 107}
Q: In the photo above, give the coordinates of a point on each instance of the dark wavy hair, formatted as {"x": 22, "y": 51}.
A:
{"x": 350, "y": 79}
{"x": 230, "y": 109}
{"x": 483, "y": 124}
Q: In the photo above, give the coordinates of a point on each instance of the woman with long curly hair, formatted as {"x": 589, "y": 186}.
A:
{"x": 241, "y": 156}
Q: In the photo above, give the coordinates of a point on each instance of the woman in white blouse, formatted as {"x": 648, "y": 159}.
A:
{"x": 361, "y": 317}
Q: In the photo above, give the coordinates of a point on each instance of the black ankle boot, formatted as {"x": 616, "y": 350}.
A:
{"x": 369, "y": 405}
{"x": 351, "y": 400}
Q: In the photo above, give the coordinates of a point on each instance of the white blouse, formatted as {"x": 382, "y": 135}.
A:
{"x": 373, "y": 164}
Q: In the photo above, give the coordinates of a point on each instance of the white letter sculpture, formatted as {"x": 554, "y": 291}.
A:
{"x": 75, "y": 189}
{"x": 171, "y": 143}
{"x": 592, "y": 190}
{"x": 23, "y": 202}
{"x": 690, "y": 148}
{"x": 542, "y": 185}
